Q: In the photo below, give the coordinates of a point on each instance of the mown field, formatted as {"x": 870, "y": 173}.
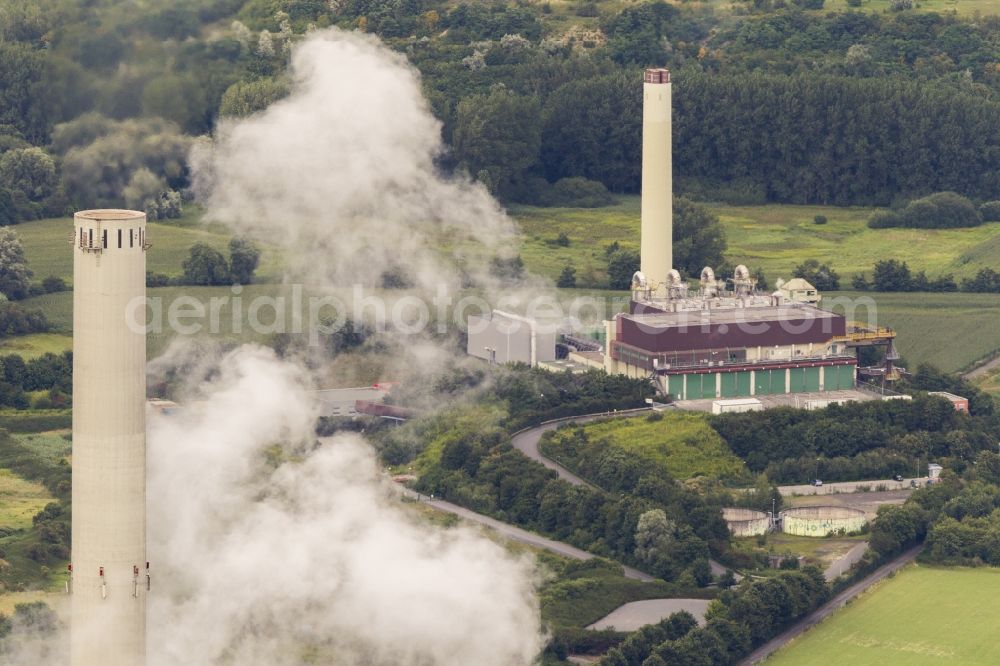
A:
{"x": 774, "y": 237}
{"x": 924, "y": 615}
{"x": 684, "y": 445}
{"x": 952, "y": 331}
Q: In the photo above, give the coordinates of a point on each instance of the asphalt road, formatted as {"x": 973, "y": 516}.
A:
{"x": 523, "y": 536}
{"x": 527, "y": 441}
{"x": 845, "y": 562}
{"x": 827, "y": 609}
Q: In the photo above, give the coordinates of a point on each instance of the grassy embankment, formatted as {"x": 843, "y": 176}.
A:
{"x": 682, "y": 445}
{"x": 924, "y": 615}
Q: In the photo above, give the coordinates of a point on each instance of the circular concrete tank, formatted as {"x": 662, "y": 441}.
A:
{"x": 819, "y": 521}
{"x": 746, "y": 522}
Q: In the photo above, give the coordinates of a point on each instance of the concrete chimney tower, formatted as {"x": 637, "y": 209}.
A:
{"x": 657, "y": 177}
{"x": 110, "y": 575}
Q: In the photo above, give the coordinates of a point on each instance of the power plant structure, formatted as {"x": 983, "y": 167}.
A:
{"x": 727, "y": 339}
{"x": 109, "y": 573}
{"x": 713, "y": 337}
{"x": 657, "y": 177}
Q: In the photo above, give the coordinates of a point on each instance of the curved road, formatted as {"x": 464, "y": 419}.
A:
{"x": 520, "y": 535}
{"x": 527, "y": 442}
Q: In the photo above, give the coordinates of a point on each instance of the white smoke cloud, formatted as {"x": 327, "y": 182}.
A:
{"x": 268, "y": 550}
{"x": 342, "y": 172}
{"x": 265, "y": 549}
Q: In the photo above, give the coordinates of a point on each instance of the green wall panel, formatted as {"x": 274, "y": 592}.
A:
{"x": 812, "y": 379}
{"x": 729, "y": 388}
{"x": 797, "y": 378}
{"x": 762, "y": 382}
{"x": 743, "y": 383}
{"x": 675, "y": 386}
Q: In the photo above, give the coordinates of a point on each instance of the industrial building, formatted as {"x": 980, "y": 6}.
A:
{"x": 725, "y": 339}
{"x": 958, "y": 402}
{"x": 110, "y": 577}
{"x": 717, "y": 338}
{"x": 510, "y": 338}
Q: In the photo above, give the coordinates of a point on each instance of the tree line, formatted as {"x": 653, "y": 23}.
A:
{"x": 771, "y": 103}
{"x": 869, "y": 440}
{"x": 49, "y": 373}
{"x": 738, "y": 621}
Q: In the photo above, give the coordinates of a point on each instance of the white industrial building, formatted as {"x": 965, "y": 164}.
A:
{"x": 510, "y": 338}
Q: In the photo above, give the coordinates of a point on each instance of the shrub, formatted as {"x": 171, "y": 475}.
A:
{"x": 567, "y": 279}
{"x": 990, "y": 211}
{"x": 943, "y": 210}
{"x": 579, "y": 193}
{"x": 157, "y": 279}
{"x": 819, "y": 219}
{"x": 900, "y": 5}
{"x": 53, "y": 283}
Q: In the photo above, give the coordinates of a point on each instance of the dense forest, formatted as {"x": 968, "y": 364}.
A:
{"x": 100, "y": 101}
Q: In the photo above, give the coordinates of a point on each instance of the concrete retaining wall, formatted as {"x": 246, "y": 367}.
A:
{"x": 819, "y": 521}
{"x": 746, "y": 522}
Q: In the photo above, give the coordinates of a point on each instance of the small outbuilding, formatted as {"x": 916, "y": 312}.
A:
{"x": 737, "y": 405}
{"x": 958, "y": 402}
{"x": 798, "y": 290}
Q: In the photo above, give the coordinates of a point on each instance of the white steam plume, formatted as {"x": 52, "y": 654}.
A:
{"x": 266, "y": 549}
{"x": 342, "y": 172}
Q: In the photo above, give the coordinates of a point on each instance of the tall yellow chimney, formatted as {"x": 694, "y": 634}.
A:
{"x": 657, "y": 178}
{"x": 109, "y": 570}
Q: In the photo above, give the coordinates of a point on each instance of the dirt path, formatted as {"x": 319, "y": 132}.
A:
{"x": 983, "y": 369}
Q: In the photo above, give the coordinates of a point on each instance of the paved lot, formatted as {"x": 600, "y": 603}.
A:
{"x": 867, "y": 502}
{"x": 637, "y": 614}
{"x": 783, "y": 399}
{"x": 852, "y": 487}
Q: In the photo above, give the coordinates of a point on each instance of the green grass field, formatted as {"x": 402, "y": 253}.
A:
{"x": 990, "y": 382}
{"x": 30, "y": 346}
{"x": 924, "y": 615}
{"x": 682, "y": 444}
{"x": 822, "y": 551}
{"x": 49, "y": 252}
{"x": 774, "y": 237}
{"x": 51, "y": 445}
{"x": 20, "y": 500}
